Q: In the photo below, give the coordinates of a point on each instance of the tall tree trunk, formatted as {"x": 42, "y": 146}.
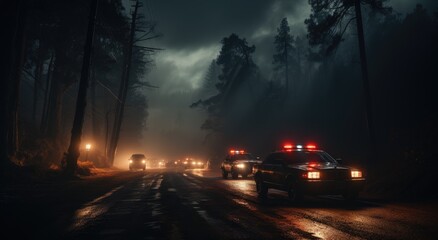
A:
{"x": 94, "y": 119}
{"x": 47, "y": 91}
{"x": 122, "y": 91}
{"x": 81, "y": 102}
{"x": 54, "y": 110}
{"x": 287, "y": 69}
{"x": 14, "y": 94}
{"x": 365, "y": 81}
{"x": 107, "y": 131}
{"x": 37, "y": 85}
{"x": 10, "y": 18}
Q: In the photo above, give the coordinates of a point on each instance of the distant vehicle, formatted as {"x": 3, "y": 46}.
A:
{"x": 162, "y": 164}
{"x": 154, "y": 162}
{"x": 192, "y": 163}
{"x": 238, "y": 162}
{"x": 137, "y": 161}
{"x": 303, "y": 170}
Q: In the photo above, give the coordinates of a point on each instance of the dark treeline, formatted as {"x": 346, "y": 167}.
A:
{"x": 315, "y": 95}
{"x": 53, "y": 35}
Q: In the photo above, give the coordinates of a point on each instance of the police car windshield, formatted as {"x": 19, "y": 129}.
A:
{"x": 295, "y": 157}
{"x": 244, "y": 156}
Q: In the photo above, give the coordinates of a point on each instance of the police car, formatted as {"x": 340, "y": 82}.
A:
{"x": 305, "y": 170}
{"x": 238, "y": 162}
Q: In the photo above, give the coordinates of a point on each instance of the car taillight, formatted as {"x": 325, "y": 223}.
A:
{"x": 311, "y": 175}
{"x": 356, "y": 174}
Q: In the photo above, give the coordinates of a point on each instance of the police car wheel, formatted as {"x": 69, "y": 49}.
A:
{"x": 262, "y": 190}
{"x": 245, "y": 175}
{"x": 293, "y": 194}
{"x": 224, "y": 174}
{"x": 234, "y": 175}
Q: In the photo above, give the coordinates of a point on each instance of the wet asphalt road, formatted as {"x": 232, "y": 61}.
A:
{"x": 198, "y": 204}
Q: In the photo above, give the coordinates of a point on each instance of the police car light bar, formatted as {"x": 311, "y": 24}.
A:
{"x": 289, "y": 147}
{"x": 237, "y": 151}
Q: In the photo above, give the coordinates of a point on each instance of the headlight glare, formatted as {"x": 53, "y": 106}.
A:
{"x": 240, "y": 165}
{"x": 313, "y": 175}
{"x": 356, "y": 174}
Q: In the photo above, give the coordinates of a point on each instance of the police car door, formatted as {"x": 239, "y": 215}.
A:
{"x": 278, "y": 170}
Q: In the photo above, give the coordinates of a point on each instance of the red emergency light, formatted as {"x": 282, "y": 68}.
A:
{"x": 237, "y": 151}
{"x": 288, "y": 147}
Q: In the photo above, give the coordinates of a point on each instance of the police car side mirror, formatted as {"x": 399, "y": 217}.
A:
{"x": 339, "y": 160}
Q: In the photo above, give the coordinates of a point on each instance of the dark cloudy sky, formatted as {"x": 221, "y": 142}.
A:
{"x": 192, "y": 32}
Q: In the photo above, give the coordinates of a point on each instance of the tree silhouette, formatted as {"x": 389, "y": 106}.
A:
{"x": 236, "y": 65}
{"x": 284, "y": 47}
{"x": 81, "y": 101}
{"x": 148, "y": 32}
{"x": 326, "y": 26}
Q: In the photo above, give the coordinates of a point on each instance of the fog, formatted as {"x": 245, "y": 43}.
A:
{"x": 178, "y": 107}
{"x": 174, "y": 130}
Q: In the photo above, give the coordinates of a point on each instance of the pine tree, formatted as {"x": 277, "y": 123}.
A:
{"x": 283, "y": 59}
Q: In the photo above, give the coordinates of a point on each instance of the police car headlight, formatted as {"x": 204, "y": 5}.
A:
{"x": 240, "y": 165}
{"x": 311, "y": 175}
{"x": 144, "y": 161}
{"x": 356, "y": 174}
{"x": 130, "y": 161}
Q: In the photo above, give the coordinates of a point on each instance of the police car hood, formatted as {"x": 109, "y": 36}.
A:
{"x": 319, "y": 167}
{"x": 247, "y": 161}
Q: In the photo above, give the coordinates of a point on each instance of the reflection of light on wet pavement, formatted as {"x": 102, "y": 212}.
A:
{"x": 319, "y": 230}
{"x": 243, "y": 186}
{"x": 206, "y": 173}
{"x": 198, "y": 172}
{"x": 91, "y": 210}
{"x": 244, "y": 203}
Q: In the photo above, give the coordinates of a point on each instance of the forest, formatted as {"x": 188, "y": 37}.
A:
{"x": 315, "y": 93}
{"x": 361, "y": 82}
{"x": 47, "y": 54}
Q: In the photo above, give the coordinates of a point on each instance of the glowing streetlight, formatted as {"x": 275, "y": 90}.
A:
{"x": 87, "y": 148}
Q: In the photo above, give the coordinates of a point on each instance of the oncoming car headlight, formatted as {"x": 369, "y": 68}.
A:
{"x": 144, "y": 161}
{"x": 130, "y": 161}
{"x": 356, "y": 174}
{"x": 240, "y": 165}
